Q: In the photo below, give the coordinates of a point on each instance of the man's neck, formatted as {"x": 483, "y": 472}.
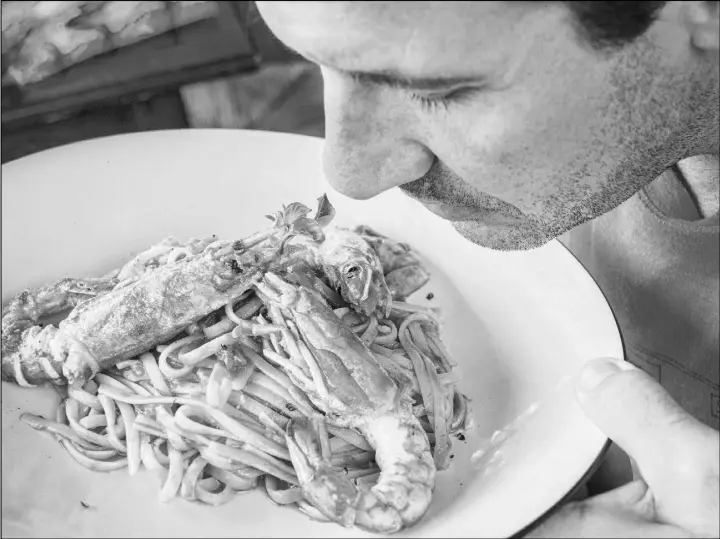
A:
{"x": 700, "y": 176}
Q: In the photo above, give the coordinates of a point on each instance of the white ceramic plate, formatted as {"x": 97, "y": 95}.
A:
{"x": 520, "y": 325}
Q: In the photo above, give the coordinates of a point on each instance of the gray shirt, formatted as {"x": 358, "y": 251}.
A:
{"x": 656, "y": 261}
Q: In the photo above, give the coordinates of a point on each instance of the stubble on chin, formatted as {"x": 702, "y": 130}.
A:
{"x": 502, "y": 238}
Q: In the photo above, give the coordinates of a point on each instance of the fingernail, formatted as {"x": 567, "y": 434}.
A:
{"x": 596, "y": 371}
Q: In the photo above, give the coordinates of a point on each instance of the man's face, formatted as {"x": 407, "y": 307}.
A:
{"x": 492, "y": 114}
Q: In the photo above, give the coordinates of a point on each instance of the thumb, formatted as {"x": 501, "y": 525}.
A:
{"x": 636, "y": 413}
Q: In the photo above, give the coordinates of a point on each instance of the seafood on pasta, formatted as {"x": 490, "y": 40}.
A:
{"x": 290, "y": 361}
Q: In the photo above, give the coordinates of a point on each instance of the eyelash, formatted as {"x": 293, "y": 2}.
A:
{"x": 432, "y": 104}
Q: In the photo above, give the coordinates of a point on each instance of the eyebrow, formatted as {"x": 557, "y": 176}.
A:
{"x": 393, "y": 79}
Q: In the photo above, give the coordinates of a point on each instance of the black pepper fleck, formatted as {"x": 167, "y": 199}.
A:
{"x": 430, "y": 296}
{"x": 461, "y": 436}
{"x": 85, "y": 504}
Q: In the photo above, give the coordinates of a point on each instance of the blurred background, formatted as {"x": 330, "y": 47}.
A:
{"x": 73, "y": 71}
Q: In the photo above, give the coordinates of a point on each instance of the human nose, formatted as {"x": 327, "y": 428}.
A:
{"x": 369, "y": 146}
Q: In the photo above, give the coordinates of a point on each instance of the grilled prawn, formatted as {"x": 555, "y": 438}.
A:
{"x": 139, "y": 306}
{"x": 122, "y": 322}
{"x": 353, "y": 390}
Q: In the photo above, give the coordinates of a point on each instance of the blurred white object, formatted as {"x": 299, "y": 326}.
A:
{"x": 40, "y": 39}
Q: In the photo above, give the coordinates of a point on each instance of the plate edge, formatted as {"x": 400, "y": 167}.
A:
{"x": 606, "y": 446}
{"x": 566, "y": 498}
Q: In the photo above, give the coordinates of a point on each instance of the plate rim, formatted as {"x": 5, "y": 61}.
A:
{"x": 595, "y": 465}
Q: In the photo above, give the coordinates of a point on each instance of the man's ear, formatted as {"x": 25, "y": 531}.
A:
{"x": 702, "y": 21}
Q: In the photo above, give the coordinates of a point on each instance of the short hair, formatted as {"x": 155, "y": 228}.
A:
{"x": 612, "y": 25}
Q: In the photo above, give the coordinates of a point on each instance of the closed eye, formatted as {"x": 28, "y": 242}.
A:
{"x": 432, "y": 102}
{"x": 431, "y": 93}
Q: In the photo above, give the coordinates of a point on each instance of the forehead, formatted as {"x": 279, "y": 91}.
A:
{"x": 420, "y": 37}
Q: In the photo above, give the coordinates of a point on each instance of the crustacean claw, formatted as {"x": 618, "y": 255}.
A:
{"x": 332, "y": 493}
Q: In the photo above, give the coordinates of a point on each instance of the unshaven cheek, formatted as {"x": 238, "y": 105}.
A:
{"x": 488, "y": 144}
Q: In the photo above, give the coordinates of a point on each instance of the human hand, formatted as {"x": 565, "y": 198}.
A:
{"x": 678, "y": 488}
